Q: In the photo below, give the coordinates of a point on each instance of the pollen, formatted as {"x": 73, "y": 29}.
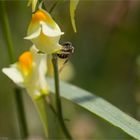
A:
{"x": 41, "y": 15}
{"x": 25, "y": 62}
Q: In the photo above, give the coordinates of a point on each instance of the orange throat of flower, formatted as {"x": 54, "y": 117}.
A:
{"x": 41, "y": 15}
{"x": 25, "y": 62}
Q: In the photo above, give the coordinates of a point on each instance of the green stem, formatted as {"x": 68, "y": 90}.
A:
{"x": 57, "y": 97}
{"x": 20, "y": 113}
{"x": 9, "y": 44}
{"x": 41, "y": 107}
{"x": 53, "y": 6}
{"x": 6, "y": 31}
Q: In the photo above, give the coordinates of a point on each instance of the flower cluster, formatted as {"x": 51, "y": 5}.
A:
{"x": 30, "y": 70}
{"x": 32, "y": 66}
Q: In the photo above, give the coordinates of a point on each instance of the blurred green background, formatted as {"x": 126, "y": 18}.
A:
{"x": 106, "y": 61}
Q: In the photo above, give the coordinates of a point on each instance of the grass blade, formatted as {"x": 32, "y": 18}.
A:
{"x": 100, "y": 107}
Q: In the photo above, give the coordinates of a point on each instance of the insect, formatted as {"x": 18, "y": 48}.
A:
{"x": 65, "y": 52}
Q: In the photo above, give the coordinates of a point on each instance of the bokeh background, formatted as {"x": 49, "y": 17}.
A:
{"x": 106, "y": 62}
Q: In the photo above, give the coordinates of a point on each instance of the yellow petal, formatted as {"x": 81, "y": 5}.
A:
{"x": 73, "y": 6}
{"x": 47, "y": 44}
{"x": 33, "y": 34}
{"x": 42, "y": 15}
{"x": 25, "y": 62}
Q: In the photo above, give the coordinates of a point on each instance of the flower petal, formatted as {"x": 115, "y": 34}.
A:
{"x": 42, "y": 73}
{"x": 37, "y": 82}
{"x": 47, "y": 44}
{"x": 34, "y": 34}
{"x": 14, "y": 74}
{"x": 49, "y": 31}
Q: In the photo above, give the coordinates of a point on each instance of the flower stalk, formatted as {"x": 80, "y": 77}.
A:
{"x": 53, "y": 6}
{"x": 57, "y": 97}
{"x": 10, "y": 48}
{"x": 6, "y": 31}
{"x": 20, "y": 113}
{"x": 41, "y": 106}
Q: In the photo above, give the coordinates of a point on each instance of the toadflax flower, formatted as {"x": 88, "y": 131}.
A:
{"x": 29, "y": 72}
{"x": 44, "y": 32}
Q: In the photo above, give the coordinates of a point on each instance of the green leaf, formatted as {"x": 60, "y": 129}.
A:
{"x": 73, "y": 6}
{"x": 100, "y": 107}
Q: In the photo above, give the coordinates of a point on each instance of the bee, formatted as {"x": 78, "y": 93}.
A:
{"x": 66, "y": 51}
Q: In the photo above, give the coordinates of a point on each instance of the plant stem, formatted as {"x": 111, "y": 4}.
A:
{"x": 53, "y": 6}
{"x": 6, "y": 31}
{"x": 41, "y": 107}
{"x": 20, "y": 113}
{"x": 18, "y": 97}
{"x": 57, "y": 97}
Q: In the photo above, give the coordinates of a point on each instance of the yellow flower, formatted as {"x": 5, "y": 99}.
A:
{"x": 44, "y": 32}
{"x": 29, "y": 72}
{"x": 33, "y": 3}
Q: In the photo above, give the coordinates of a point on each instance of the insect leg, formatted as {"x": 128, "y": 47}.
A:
{"x": 63, "y": 65}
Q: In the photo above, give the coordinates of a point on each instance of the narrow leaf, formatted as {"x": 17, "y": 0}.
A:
{"x": 73, "y": 6}
{"x": 100, "y": 107}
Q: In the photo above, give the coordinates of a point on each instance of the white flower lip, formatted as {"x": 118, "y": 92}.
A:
{"x": 49, "y": 31}
{"x": 14, "y": 74}
{"x": 34, "y": 35}
{"x": 46, "y": 30}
